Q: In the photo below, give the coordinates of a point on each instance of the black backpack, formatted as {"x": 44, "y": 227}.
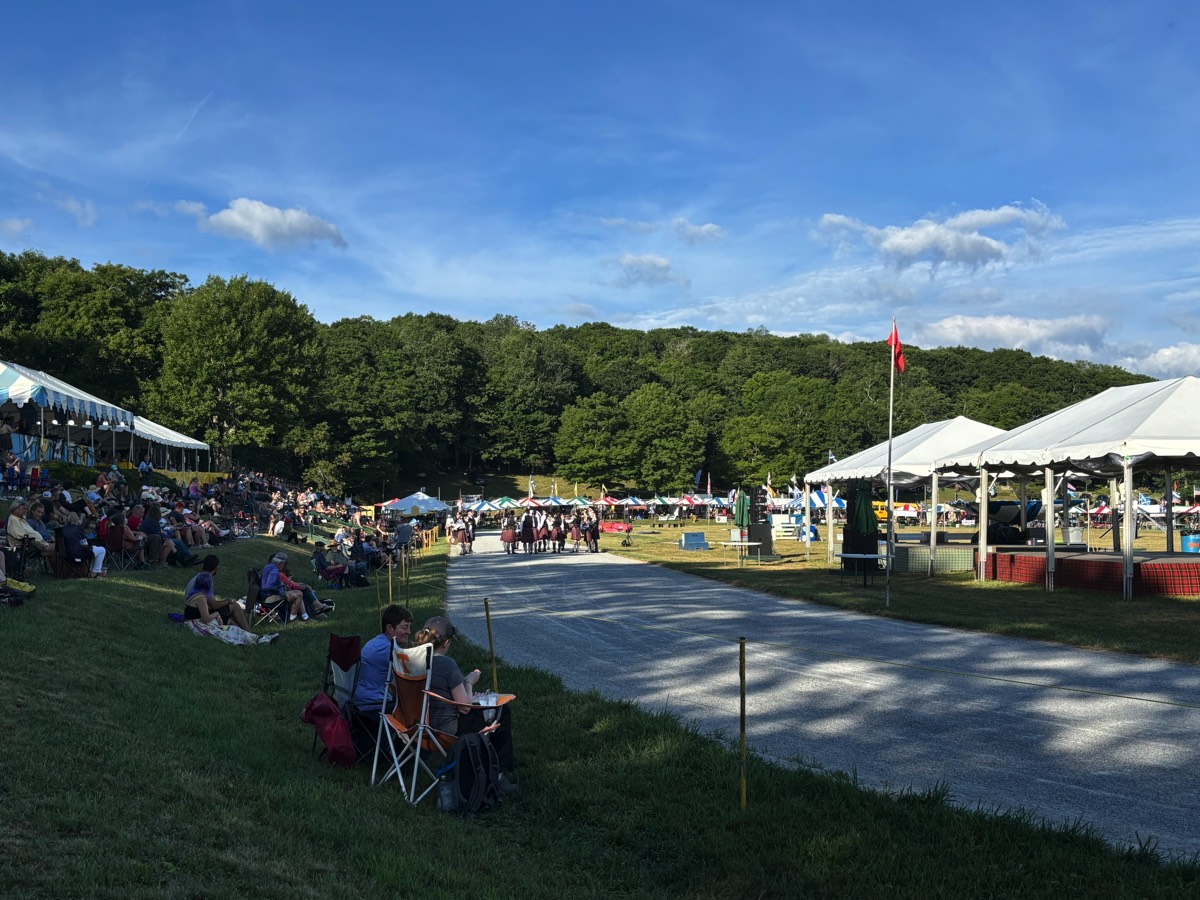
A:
{"x": 476, "y": 772}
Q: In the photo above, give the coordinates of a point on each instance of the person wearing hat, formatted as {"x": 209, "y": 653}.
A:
{"x": 459, "y": 716}
{"x": 271, "y": 586}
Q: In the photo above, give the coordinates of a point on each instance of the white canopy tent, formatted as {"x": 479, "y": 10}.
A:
{"x": 1105, "y": 436}
{"x": 913, "y": 456}
{"x": 418, "y": 504}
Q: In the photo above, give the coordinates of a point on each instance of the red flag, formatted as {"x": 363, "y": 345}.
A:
{"x": 897, "y": 348}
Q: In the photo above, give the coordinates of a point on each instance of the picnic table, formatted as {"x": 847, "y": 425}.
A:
{"x": 743, "y": 550}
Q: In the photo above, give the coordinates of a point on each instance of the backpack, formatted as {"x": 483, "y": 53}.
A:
{"x": 476, "y": 773}
{"x": 333, "y": 730}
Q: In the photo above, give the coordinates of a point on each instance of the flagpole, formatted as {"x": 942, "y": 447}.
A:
{"x": 891, "y": 522}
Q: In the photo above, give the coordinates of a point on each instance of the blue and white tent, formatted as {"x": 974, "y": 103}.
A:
{"x": 20, "y": 385}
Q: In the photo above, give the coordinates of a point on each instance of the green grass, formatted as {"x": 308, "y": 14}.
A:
{"x": 1167, "y": 627}
{"x": 140, "y": 761}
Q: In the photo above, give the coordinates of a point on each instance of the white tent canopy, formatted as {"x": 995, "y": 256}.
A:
{"x": 913, "y": 453}
{"x": 160, "y": 434}
{"x": 1147, "y": 425}
{"x": 419, "y": 504}
{"x": 1141, "y": 422}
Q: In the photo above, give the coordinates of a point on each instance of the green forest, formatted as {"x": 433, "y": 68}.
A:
{"x": 245, "y": 366}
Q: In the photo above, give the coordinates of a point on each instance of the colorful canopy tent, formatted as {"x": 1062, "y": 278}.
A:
{"x": 1151, "y": 425}
{"x": 507, "y": 503}
{"x": 418, "y": 504}
{"x": 579, "y": 501}
{"x": 529, "y": 503}
{"x": 482, "y": 506}
{"x": 555, "y": 501}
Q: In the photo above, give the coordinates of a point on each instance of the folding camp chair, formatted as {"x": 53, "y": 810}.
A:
{"x": 117, "y": 556}
{"x": 333, "y": 582}
{"x": 404, "y": 731}
{"x": 261, "y": 608}
{"x": 341, "y": 675}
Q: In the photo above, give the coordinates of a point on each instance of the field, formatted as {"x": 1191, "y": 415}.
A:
{"x": 140, "y": 761}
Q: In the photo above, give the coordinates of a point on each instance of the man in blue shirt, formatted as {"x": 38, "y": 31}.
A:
{"x": 374, "y": 675}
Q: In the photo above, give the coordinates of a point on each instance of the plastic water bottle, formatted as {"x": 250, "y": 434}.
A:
{"x": 446, "y": 794}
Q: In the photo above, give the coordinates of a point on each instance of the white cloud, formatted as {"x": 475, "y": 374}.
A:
{"x": 255, "y": 221}
{"x": 694, "y": 234}
{"x": 14, "y": 228}
{"x": 958, "y": 239}
{"x": 647, "y": 269}
{"x": 84, "y": 211}
{"x": 269, "y": 226}
{"x": 630, "y": 224}
{"x": 1070, "y": 337}
{"x": 1167, "y": 362}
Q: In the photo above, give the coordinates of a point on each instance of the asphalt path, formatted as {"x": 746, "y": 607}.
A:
{"x": 1006, "y": 723}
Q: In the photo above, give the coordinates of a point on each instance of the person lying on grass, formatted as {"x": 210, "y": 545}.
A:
{"x": 459, "y": 716}
{"x": 200, "y": 603}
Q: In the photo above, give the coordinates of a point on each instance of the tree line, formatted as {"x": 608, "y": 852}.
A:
{"x": 245, "y": 366}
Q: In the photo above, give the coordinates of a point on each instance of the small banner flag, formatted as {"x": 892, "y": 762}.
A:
{"x": 897, "y": 348}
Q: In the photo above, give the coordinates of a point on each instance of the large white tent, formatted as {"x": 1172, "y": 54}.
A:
{"x": 1152, "y": 425}
{"x": 913, "y": 455}
{"x": 418, "y": 504}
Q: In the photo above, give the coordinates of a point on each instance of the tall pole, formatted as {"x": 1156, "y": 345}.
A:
{"x": 891, "y": 522}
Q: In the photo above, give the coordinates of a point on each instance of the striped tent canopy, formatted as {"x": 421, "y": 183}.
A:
{"x": 579, "y": 501}
{"x": 507, "y": 503}
{"x": 530, "y": 503}
{"x": 555, "y": 501}
{"x": 631, "y": 501}
{"x": 482, "y": 506}
{"x": 20, "y": 385}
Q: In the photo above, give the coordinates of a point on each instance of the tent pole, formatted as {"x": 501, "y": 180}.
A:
{"x": 981, "y": 521}
{"x": 1048, "y": 518}
{"x": 1169, "y": 501}
{"x": 1066, "y": 518}
{"x": 829, "y": 520}
{"x": 1130, "y": 525}
{"x": 933, "y": 531}
{"x": 1112, "y": 515}
{"x": 806, "y": 522}
{"x": 1024, "y": 498}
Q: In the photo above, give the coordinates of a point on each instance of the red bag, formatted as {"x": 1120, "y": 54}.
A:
{"x": 334, "y": 731}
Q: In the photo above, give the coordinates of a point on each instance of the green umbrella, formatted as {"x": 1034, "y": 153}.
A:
{"x": 862, "y": 516}
{"x": 741, "y": 510}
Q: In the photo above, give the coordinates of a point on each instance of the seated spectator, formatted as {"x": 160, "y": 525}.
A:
{"x": 136, "y": 514}
{"x": 132, "y": 542}
{"x": 78, "y": 548}
{"x": 459, "y": 716}
{"x": 171, "y": 551}
{"x": 19, "y": 528}
{"x": 192, "y": 535}
{"x": 271, "y": 586}
{"x": 327, "y": 571}
{"x": 375, "y": 674}
{"x": 145, "y": 467}
{"x": 199, "y": 602}
{"x": 114, "y": 484}
{"x": 37, "y": 521}
{"x": 312, "y": 605}
{"x": 194, "y": 491}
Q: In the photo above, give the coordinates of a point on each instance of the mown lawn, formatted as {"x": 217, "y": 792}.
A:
{"x": 139, "y": 761}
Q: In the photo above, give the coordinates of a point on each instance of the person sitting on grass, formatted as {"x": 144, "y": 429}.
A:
{"x": 192, "y": 535}
{"x": 458, "y": 716}
{"x": 202, "y": 601}
{"x": 173, "y": 552}
{"x": 200, "y": 605}
{"x": 272, "y": 589}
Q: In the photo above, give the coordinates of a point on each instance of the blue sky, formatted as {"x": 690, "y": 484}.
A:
{"x": 1018, "y": 174}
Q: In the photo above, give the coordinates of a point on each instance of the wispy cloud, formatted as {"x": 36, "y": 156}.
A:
{"x": 647, "y": 269}
{"x": 958, "y": 239}
{"x": 629, "y": 224}
{"x": 188, "y": 123}
{"x": 1179, "y": 359}
{"x": 15, "y": 228}
{"x": 694, "y": 234}
{"x": 84, "y": 211}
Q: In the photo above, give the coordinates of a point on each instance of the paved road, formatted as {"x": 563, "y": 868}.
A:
{"x": 1004, "y": 722}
